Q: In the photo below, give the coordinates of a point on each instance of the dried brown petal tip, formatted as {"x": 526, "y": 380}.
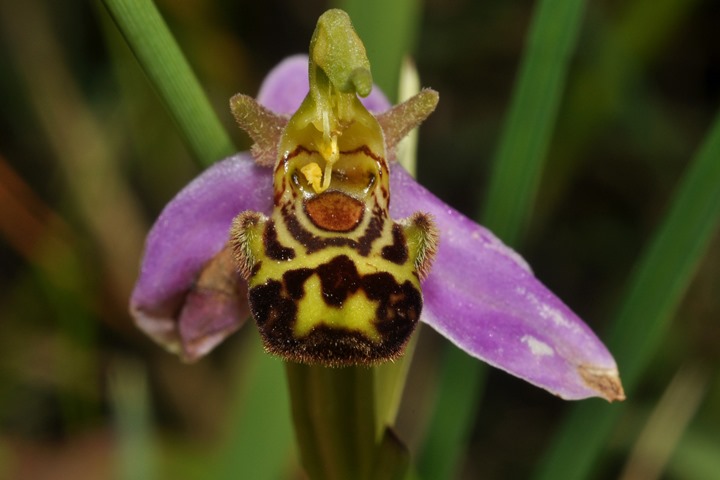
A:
{"x": 605, "y": 382}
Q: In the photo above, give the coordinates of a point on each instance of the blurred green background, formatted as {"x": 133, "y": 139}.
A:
{"x": 89, "y": 156}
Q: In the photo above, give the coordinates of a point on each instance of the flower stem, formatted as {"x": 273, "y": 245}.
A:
{"x": 334, "y": 414}
{"x": 340, "y": 434}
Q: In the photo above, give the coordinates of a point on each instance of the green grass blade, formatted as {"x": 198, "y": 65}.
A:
{"x": 259, "y": 429}
{"x": 136, "y": 452}
{"x": 152, "y": 43}
{"x": 528, "y": 128}
{"x": 389, "y": 31}
{"x": 459, "y": 393}
{"x": 656, "y": 288}
{"x": 668, "y": 266}
{"x": 696, "y": 456}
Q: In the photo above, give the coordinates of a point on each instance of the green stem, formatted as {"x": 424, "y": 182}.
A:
{"x": 334, "y": 416}
{"x": 160, "y": 57}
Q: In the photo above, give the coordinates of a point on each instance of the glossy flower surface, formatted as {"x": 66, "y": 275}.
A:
{"x": 479, "y": 294}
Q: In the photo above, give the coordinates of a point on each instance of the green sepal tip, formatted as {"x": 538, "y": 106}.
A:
{"x": 337, "y": 50}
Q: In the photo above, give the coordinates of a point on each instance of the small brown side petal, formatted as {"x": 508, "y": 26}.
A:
{"x": 263, "y": 126}
{"x": 213, "y": 306}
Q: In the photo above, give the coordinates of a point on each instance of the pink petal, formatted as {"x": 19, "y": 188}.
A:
{"x": 484, "y": 298}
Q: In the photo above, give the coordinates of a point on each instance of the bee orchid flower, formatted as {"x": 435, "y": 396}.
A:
{"x": 337, "y": 252}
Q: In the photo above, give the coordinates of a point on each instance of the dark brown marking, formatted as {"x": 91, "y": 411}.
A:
{"x": 335, "y": 211}
{"x": 339, "y": 278}
{"x": 397, "y": 302}
{"x": 398, "y": 251}
{"x": 255, "y": 268}
{"x": 306, "y": 238}
{"x": 270, "y": 308}
{"x": 273, "y": 248}
{"x": 399, "y": 310}
{"x": 298, "y": 150}
{"x": 335, "y": 347}
{"x": 361, "y": 149}
{"x": 295, "y": 282}
{"x": 313, "y": 243}
{"x": 372, "y": 232}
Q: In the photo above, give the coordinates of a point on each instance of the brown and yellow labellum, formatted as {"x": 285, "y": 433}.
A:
{"x": 332, "y": 278}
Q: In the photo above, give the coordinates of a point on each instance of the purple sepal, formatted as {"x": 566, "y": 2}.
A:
{"x": 166, "y": 302}
{"x": 482, "y": 296}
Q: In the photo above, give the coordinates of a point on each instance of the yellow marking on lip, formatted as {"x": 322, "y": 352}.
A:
{"x": 357, "y": 313}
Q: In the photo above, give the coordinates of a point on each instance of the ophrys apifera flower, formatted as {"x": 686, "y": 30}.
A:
{"x": 337, "y": 252}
